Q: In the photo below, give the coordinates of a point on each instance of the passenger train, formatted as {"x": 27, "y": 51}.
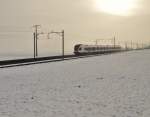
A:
{"x": 81, "y": 49}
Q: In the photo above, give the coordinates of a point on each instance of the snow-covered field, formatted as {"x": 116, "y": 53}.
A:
{"x": 116, "y": 85}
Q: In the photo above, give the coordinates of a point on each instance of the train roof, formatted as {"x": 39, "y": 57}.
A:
{"x": 98, "y": 45}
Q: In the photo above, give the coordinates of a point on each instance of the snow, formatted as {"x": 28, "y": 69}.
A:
{"x": 115, "y": 85}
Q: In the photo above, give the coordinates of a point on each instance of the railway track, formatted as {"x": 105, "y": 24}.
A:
{"x": 39, "y": 60}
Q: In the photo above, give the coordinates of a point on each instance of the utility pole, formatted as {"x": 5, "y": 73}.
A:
{"x": 96, "y": 42}
{"x": 35, "y": 39}
{"x": 142, "y": 45}
{"x": 63, "y": 42}
{"x": 114, "y": 41}
{"x": 126, "y": 46}
{"x": 131, "y": 45}
{"x": 137, "y": 46}
{"x": 34, "y": 44}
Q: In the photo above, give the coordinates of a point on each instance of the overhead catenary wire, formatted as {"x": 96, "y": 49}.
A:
{"x": 7, "y": 29}
{"x": 25, "y": 31}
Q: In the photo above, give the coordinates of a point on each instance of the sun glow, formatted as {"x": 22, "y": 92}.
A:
{"x": 116, "y": 7}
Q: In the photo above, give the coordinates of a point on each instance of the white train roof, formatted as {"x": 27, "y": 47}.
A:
{"x": 100, "y": 45}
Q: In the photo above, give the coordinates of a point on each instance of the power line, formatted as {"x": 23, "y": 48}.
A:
{"x": 15, "y": 31}
{"x": 62, "y": 34}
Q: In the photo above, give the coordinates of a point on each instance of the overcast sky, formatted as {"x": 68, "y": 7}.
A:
{"x": 79, "y": 18}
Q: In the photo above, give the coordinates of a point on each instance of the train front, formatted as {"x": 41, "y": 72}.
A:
{"x": 77, "y": 49}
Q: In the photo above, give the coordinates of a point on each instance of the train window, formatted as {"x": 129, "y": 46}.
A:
{"x": 86, "y": 49}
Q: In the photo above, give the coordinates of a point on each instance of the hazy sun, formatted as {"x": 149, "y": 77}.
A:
{"x": 116, "y": 7}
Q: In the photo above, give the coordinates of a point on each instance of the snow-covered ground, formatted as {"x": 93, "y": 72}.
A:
{"x": 116, "y": 85}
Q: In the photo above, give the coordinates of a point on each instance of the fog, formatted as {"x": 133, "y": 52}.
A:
{"x": 80, "y": 20}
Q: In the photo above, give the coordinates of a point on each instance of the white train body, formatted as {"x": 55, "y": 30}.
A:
{"x": 95, "y": 49}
